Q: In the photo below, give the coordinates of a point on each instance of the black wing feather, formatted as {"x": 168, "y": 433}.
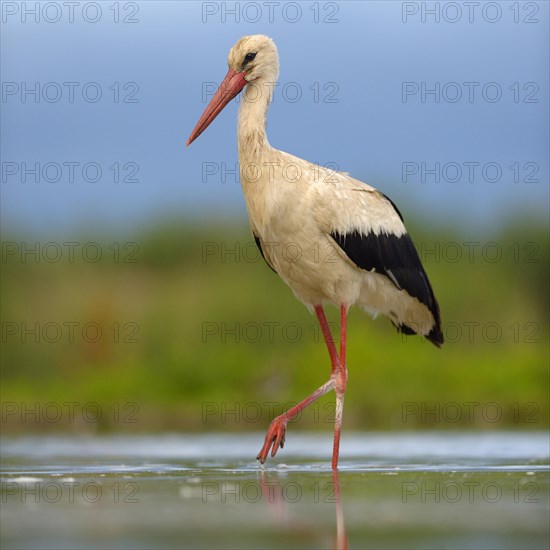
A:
{"x": 396, "y": 258}
{"x": 259, "y": 245}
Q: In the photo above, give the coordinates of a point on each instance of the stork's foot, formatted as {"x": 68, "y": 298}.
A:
{"x": 274, "y": 438}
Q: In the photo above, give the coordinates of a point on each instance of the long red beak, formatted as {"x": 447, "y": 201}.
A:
{"x": 232, "y": 84}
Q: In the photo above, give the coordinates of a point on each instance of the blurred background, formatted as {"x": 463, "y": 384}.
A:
{"x": 132, "y": 295}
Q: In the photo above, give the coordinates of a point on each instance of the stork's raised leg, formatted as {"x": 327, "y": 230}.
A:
{"x": 275, "y": 436}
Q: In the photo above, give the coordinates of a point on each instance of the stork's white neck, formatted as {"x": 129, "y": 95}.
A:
{"x": 251, "y": 136}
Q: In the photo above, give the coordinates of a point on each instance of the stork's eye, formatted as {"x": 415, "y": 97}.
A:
{"x": 249, "y": 57}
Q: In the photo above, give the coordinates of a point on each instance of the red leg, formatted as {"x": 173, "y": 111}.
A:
{"x": 343, "y": 333}
{"x": 337, "y": 429}
{"x": 340, "y": 382}
{"x": 275, "y": 436}
{"x": 327, "y": 335}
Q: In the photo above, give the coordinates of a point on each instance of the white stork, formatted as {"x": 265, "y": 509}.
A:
{"x": 353, "y": 246}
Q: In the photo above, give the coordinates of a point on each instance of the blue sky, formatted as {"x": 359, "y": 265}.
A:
{"x": 349, "y": 63}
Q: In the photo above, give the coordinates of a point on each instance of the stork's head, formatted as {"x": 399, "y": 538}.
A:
{"x": 256, "y": 57}
{"x": 252, "y": 59}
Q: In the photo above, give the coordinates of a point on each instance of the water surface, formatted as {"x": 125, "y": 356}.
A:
{"x": 398, "y": 490}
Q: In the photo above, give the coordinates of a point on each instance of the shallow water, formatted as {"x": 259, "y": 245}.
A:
{"x": 398, "y": 490}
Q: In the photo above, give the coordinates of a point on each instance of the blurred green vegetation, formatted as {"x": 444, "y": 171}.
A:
{"x": 198, "y": 334}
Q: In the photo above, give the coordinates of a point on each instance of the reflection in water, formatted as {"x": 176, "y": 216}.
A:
{"x": 421, "y": 490}
{"x": 272, "y": 492}
{"x": 341, "y": 536}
